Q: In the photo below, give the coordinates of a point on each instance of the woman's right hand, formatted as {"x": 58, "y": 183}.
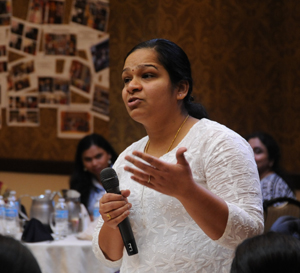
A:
{"x": 114, "y": 208}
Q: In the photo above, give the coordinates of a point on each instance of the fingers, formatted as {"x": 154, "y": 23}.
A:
{"x": 154, "y": 162}
{"x": 114, "y": 208}
{"x": 180, "y": 156}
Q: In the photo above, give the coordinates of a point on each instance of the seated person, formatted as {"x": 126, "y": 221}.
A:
{"x": 267, "y": 155}
{"x": 93, "y": 154}
{"x": 268, "y": 253}
{"x": 15, "y": 257}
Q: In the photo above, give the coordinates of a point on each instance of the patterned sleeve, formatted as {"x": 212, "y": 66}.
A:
{"x": 231, "y": 173}
{"x": 98, "y": 252}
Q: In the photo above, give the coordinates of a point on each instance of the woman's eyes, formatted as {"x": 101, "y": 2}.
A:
{"x": 147, "y": 75}
{"x": 144, "y": 76}
{"x": 257, "y": 150}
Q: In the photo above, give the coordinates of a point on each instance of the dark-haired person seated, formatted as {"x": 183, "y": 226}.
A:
{"x": 16, "y": 258}
{"x": 268, "y": 253}
{"x": 267, "y": 156}
{"x": 93, "y": 154}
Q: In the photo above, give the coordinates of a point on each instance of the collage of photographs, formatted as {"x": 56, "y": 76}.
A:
{"x": 55, "y": 60}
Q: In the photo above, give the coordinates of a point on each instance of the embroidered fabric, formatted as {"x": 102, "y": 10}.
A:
{"x": 168, "y": 239}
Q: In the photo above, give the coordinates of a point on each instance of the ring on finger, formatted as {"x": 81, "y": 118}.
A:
{"x": 108, "y": 216}
{"x": 149, "y": 179}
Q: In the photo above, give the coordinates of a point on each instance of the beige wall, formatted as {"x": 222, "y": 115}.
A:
{"x": 33, "y": 184}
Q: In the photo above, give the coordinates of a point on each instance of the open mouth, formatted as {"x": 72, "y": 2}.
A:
{"x": 132, "y": 99}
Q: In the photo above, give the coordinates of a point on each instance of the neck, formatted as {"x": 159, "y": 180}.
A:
{"x": 164, "y": 138}
{"x": 265, "y": 174}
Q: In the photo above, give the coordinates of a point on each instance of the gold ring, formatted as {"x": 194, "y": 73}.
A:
{"x": 149, "y": 179}
{"x": 108, "y": 216}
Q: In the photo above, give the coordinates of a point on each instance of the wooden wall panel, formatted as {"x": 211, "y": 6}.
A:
{"x": 245, "y": 58}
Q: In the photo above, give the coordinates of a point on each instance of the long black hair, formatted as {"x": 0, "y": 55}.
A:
{"x": 81, "y": 180}
{"x": 176, "y": 62}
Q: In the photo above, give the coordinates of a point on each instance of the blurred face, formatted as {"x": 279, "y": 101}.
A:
{"x": 147, "y": 90}
{"x": 95, "y": 159}
{"x": 261, "y": 155}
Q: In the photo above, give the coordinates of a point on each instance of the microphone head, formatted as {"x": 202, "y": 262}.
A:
{"x": 109, "y": 178}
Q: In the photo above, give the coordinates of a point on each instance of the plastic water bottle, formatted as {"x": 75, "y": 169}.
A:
{"x": 96, "y": 212}
{"x": 11, "y": 218}
{"x": 61, "y": 219}
{"x": 2, "y": 215}
{"x": 12, "y": 194}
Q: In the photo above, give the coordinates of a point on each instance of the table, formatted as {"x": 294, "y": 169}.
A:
{"x": 66, "y": 256}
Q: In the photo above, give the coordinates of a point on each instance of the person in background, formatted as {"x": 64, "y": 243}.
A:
{"x": 268, "y": 253}
{"x": 192, "y": 183}
{"x": 15, "y": 257}
{"x": 93, "y": 154}
{"x": 267, "y": 155}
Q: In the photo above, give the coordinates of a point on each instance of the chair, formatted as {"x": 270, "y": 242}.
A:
{"x": 287, "y": 206}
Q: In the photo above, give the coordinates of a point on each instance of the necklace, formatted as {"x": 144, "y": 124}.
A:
{"x": 148, "y": 142}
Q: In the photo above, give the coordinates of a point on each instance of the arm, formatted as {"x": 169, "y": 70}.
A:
{"x": 229, "y": 208}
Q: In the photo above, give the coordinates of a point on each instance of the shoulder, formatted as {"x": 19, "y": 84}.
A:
{"x": 217, "y": 135}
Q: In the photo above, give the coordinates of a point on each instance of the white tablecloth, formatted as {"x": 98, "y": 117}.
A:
{"x": 69, "y": 255}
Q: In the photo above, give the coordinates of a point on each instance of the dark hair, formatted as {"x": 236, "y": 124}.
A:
{"x": 81, "y": 180}
{"x": 176, "y": 62}
{"x": 272, "y": 148}
{"x": 271, "y": 252}
{"x": 16, "y": 257}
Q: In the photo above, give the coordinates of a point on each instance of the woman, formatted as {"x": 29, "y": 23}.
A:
{"x": 194, "y": 188}
{"x": 93, "y": 154}
{"x": 268, "y": 253}
{"x": 267, "y": 155}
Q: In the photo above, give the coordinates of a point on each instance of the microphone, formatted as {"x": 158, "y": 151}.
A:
{"x": 110, "y": 182}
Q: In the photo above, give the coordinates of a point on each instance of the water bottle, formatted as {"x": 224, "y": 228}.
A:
{"x": 2, "y": 215}
{"x": 11, "y": 218}
{"x": 61, "y": 219}
{"x": 12, "y": 194}
{"x": 96, "y": 212}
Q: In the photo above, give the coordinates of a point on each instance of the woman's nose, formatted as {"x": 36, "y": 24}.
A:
{"x": 95, "y": 162}
{"x": 134, "y": 86}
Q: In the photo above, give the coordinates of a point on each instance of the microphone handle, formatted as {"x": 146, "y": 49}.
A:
{"x": 125, "y": 230}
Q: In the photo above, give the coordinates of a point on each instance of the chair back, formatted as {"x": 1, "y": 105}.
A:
{"x": 286, "y": 206}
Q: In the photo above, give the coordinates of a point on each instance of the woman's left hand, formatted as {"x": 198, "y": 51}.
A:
{"x": 170, "y": 179}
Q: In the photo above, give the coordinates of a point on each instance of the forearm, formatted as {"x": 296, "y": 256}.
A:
{"x": 209, "y": 211}
{"x": 111, "y": 243}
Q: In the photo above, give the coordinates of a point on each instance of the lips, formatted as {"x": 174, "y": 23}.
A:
{"x": 133, "y": 102}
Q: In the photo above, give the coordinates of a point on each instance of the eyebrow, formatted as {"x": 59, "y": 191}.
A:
{"x": 141, "y": 66}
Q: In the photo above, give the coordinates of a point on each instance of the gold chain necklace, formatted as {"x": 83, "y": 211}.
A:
{"x": 148, "y": 142}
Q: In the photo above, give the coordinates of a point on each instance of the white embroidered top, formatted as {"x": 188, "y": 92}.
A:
{"x": 167, "y": 238}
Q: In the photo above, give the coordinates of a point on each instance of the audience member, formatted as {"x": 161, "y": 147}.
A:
{"x": 267, "y": 156}
{"x": 268, "y": 253}
{"x": 16, "y": 257}
{"x": 93, "y": 154}
{"x": 192, "y": 183}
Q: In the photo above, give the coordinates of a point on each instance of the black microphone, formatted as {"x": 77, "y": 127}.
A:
{"x": 110, "y": 182}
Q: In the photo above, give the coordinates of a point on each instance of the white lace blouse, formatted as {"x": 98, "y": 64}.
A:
{"x": 167, "y": 238}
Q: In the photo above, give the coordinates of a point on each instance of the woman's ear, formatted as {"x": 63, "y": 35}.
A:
{"x": 182, "y": 89}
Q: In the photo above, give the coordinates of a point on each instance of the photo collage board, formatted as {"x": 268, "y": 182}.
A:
{"x": 55, "y": 62}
